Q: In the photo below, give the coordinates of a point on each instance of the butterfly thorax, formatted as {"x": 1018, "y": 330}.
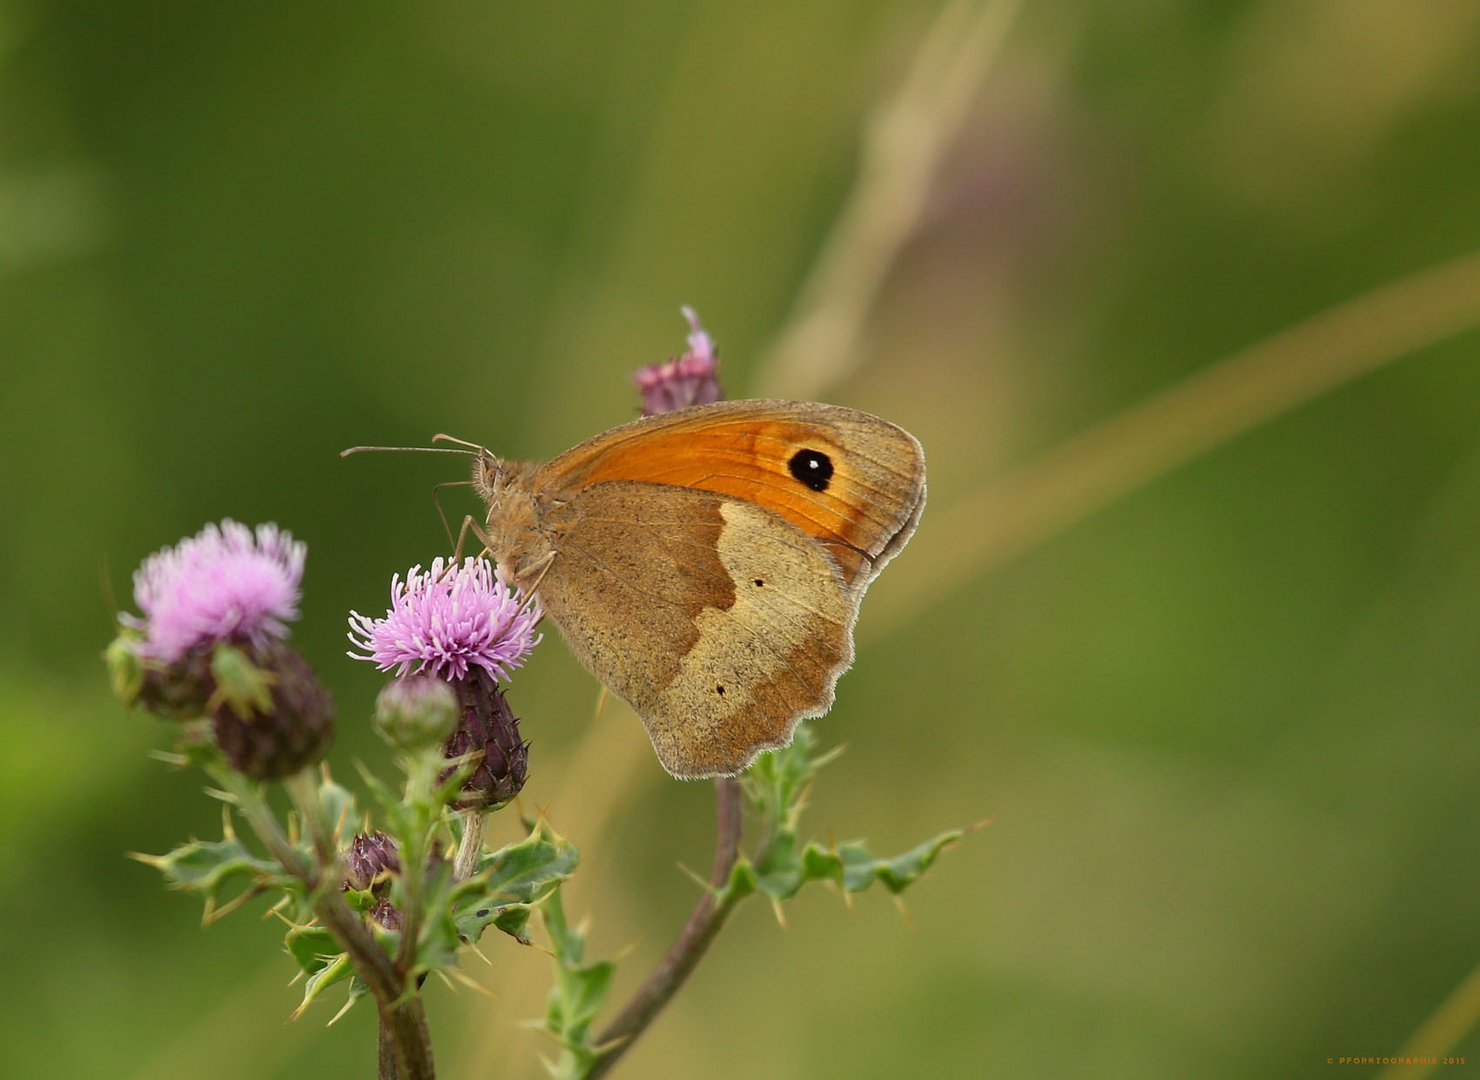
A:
{"x": 512, "y": 530}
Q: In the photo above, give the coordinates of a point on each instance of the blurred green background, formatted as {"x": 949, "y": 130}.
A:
{"x": 1224, "y": 726}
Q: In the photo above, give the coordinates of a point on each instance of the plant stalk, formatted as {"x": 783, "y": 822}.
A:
{"x": 402, "y": 1014}
{"x": 703, "y": 925}
{"x": 470, "y": 846}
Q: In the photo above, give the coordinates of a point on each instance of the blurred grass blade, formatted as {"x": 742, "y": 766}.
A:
{"x": 904, "y": 141}
{"x": 1013, "y": 513}
{"x": 1441, "y": 1032}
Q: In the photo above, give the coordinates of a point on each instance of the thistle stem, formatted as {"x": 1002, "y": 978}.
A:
{"x": 416, "y": 847}
{"x": 704, "y": 924}
{"x": 470, "y": 846}
{"x": 388, "y": 1064}
{"x": 402, "y": 1014}
{"x": 403, "y": 1031}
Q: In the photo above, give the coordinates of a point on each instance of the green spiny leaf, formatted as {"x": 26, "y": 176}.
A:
{"x": 437, "y": 946}
{"x": 513, "y": 919}
{"x": 512, "y": 880}
{"x": 566, "y": 942}
{"x": 440, "y": 938}
{"x": 783, "y": 870}
{"x": 318, "y": 956}
{"x": 777, "y": 782}
{"x": 311, "y": 947}
{"x": 860, "y": 870}
{"x": 580, "y": 990}
{"x": 524, "y": 870}
{"x": 743, "y": 882}
{"x": 779, "y": 872}
{"x": 360, "y": 900}
{"x": 211, "y": 867}
{"x": 775, "y": 787}
{"x": 336, "y": 970}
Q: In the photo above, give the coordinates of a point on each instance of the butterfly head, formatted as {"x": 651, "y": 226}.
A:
{"x": 497, "y": 480}
{"x": 512, "y": 530}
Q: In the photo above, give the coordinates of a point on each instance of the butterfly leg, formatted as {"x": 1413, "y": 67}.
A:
{"x": 469, "y": 525}
{"x": 442, "y": 514}
{"x": 537, "y": 570}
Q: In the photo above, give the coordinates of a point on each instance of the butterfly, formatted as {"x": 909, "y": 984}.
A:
{"x": 707, "y": 564}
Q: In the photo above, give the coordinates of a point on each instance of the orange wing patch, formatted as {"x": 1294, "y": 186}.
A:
{"x": 845, "y": 478}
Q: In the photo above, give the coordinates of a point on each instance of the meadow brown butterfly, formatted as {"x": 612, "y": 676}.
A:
{"x": 707, "y": 564}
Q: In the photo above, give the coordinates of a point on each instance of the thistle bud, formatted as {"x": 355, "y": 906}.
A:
{"x": 488, "y": 725}
{"x": 370, "y": 860}
{"x": 415, "y": 712}
{"x": 386, "y": 914}
{"x": 287, "y": 728}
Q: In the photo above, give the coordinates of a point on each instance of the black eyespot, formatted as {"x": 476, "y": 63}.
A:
{"x": 720, "y": 690}
{"x": 482, "y": 913}
{"x": 812, "y": 467}
{"x": 758, "y": 583}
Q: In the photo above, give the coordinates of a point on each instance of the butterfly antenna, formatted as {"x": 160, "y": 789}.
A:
{"x": 404, "y": 450}
{"x": 467, "y": 447}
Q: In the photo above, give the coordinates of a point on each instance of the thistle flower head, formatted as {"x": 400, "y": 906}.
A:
{"x": 448, "y": 620}
{"x": 689, "y": 379}
{"x": 226, "y": 583}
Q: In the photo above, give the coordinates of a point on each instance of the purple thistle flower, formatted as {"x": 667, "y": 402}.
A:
{"x": 223, "y": 584}
{"x": 448, "y": 620}
{"x": 690, "y": 379}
